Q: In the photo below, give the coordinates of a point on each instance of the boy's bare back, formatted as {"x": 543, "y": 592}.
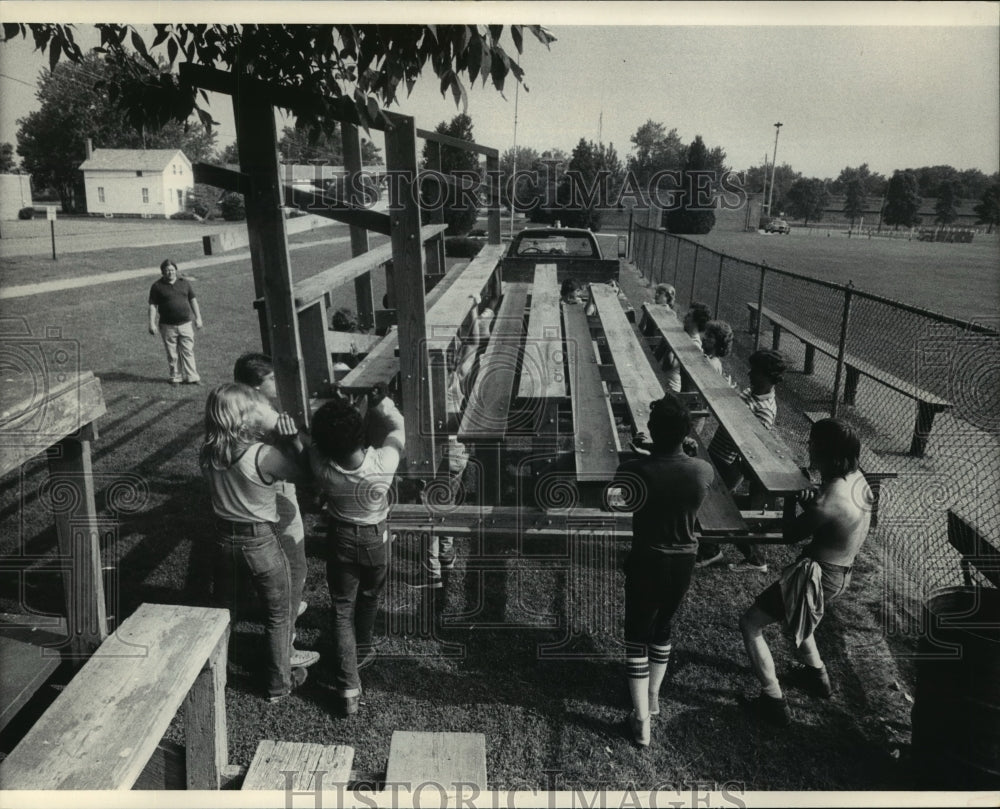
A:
{"x": 839, "y": 519}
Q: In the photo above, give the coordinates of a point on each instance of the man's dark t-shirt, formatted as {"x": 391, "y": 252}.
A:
{"x": 172, "y": 301}
{"x": 664, "y": 492}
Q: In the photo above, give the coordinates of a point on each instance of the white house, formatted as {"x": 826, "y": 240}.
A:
{"x": 137, "y": 182}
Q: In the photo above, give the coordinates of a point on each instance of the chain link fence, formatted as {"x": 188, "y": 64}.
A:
{"x": 923, "y": 390}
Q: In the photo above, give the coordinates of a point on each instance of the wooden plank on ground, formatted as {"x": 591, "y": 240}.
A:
{"x": 486, "y": 411}
{"x": 542, "y": 373}
{"x": 637, "y": 377}
{"x": 104, "y": 726}
{"x": 312, "y": 766}
{"x": 772, "y": 462}
{"x": 595, "y": 440}
{"x": 449, "y": 760}
{"x": 26, "y": 666}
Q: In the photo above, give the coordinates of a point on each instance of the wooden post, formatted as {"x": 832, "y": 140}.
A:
{"x": 630, "y": 253}
{"x": 351, "y": 139}
{"x": 206, "y": 745}
{"x": 760, "y": 307}
{"x": 493, "y": 217}
{"x": 79, "y": 545}
{"x": 258, "y": 146}
{"x": 694, "y": 274}
{"x": 663, "y": 258}
{"x": 434, "y": 249}
{"x": 677, "y": 260}
{"x": 842, "y": 347}
{"x": 718, "y": 286}
{"x": 408, "y": 277}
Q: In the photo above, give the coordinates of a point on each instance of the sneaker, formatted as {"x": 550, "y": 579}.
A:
{"x": 348, "y": 705}
{"x": 709, "y": 560}
{"x": 298, "y": 677}
{"x": 192, "y": 381}
{"x": 367, "y": 660}
{"x": 772, "y": 710}
{"x": 815, "y": 682}
{"x": 175, "y": 381}
{"x": 424, "y": 581}
{"x": 640, "y": 729}
{"x": 747, "y": 567}
{"x": 447, "y": 562}
{"x": 303, "y": 658}
{"x": 303, "y": 606}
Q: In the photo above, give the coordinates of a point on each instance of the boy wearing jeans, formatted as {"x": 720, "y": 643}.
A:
{"x": 355, "y": 480}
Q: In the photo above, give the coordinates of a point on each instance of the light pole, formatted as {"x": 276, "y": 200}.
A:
{"x": 774, "y": 166}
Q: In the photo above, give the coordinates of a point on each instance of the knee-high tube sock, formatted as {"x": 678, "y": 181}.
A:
{"x": 659, "y": 657}
{"x": 637, "y": 671}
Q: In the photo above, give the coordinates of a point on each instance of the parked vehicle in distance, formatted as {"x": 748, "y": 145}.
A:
{"x": 575, "y": 252}
{"x": 775, "y": 224}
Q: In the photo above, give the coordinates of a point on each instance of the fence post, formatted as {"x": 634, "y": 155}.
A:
{"x": 694, "y": 270}
{"x": 655, "y": 239}
{"x": 629, "y": 253}
{"x": 842, "y": 346}
{"x": 663, "y": 259}
{"x": 677, "y": 259}
{"x": 718, "y": 286}
{"x": 760, "y": 307}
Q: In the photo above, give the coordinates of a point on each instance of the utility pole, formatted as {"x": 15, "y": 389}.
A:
{"x": 774, "y": 165}
{"x": 763, "y": 193}
{"x": 513, "y": 188}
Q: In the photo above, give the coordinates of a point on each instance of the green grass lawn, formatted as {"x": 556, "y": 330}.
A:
{"x": 528, "y": 655}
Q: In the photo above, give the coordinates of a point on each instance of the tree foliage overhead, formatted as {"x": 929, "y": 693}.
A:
{"x": 807, "y": 198}
{"x": 347, "y": 71}
{"x": 75, "y": 104}
{"x": 902, "y": 200}
{"x": 303, "y": 146}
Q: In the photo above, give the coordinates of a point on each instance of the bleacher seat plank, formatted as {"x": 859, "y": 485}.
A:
{"x": 25, "y": 667}
{"x": 966, "y": 537}
{"x": 104, "y": 726}
{"x": 719, "y": 515}
{"x": 311, "y": 289}
{"x": 486, "y": 412}
{"x": 314, "y": 766}
{"x": 595, "y": 439}
{"x": 637, "y": 377}
{"x": 444, "y": 304}
{"x": 860, "y": 365}
{"x": 446, "y": 759}
{"x": 772, "y": 461}
{"x": 542, "y": 375}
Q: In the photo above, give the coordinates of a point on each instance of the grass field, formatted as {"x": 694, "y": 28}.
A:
{"x": 484, "y": 669}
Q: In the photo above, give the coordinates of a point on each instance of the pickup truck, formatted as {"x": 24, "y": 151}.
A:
{"x": 575, "y": 252}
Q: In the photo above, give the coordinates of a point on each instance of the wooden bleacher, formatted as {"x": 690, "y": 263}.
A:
{"x": 101, "y": 731}
{"x": 928, "y": 404}
{"x": 298, "y": 766}
{"x": 978, "y": 551}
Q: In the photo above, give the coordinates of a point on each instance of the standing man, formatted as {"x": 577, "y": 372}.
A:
{"x": 172, "y": 301}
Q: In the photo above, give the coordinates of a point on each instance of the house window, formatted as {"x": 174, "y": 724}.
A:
{"x": 145, "y": 195}
{"x": 138, "y": 174}
{"x": 180, "y": 198}
{"x": 100, "y": 193}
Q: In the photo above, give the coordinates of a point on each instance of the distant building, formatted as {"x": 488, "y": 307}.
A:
{"x": 15, "y": 194}
{"x": 137, "y": 182}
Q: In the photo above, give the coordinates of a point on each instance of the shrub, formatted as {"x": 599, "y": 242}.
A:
{"x": 232, "y": 207}
{"x": 462, "y": 246}
{"x": 26, "y": 213}
{"x": 188, "y": 216}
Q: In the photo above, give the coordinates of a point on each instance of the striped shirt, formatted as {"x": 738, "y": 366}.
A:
{"x": 764, "y": 407}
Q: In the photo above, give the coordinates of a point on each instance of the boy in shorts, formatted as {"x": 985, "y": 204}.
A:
{"x": 837, "y": 517}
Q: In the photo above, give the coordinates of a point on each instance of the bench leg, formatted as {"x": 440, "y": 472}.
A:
{"x": 922, "y": 429}
{"x": 775, "y": 336}
{"x": 810, "y": 360}
{"x": 875, "y": 484}
{"x": 751, "y": 319}
{"x": 206, "y": 743}
{"x": 851, "y": 385}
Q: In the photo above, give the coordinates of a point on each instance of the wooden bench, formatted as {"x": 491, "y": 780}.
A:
{"x": 448, "y": 309}
{"x": 29, "y": 657}
{"x": 449, "y": 761}
{"x": 298, "y": 766}
{"x": 928, "y": 404}
{"x": 977, "y": 551}
{"x": 718, "y": 515}
{"x": 100, "y": 732}
{"x": 595, "y": 440}
{"x": 871, "y": 465}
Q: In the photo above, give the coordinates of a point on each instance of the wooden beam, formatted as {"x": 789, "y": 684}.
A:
{"x": 258, "y": 147}
{"x": 205, "y": 739}
{"x": 457, "y": 143}
{"x": 318, "y": 203}
{"x": 350, "y": 137}
{"x": 223, "y": 178}
{"x": 408, "y": 269}
{"x": 519, "y": 520}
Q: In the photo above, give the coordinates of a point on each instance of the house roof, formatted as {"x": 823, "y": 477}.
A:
{"x": 132, "y": 159}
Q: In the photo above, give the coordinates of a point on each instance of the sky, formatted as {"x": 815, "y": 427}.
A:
{"x": 894, "y": 85}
